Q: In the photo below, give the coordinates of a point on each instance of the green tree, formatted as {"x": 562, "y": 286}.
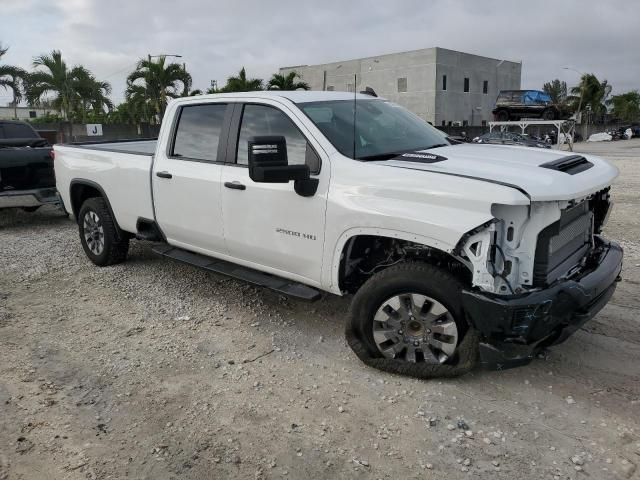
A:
{"x": 557, "y": 90}
{"x": 90, "y": 95}
{"x": 287, "y": 82}
{"x": 12, "y": 78}
{"x": 594, "y": 94}
{"x": 626, "y": 106}
{"x": 241, "y": 83}
{"x": 154, "y": 82}
{"x": 51, "y": 78}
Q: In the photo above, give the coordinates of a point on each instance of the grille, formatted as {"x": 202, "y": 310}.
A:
{"x": 563, "y": 244}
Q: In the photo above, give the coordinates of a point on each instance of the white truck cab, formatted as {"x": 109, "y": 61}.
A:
{"x": 453, "y": 253}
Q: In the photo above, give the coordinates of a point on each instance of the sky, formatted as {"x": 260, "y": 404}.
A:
{"x": 217, "y": 38}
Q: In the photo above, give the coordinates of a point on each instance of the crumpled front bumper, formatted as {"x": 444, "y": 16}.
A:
{"x": 513, "y": 329}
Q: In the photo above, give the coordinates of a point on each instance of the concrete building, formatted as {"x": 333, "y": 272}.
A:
{"x": 25, "y": 113}
{"x": 442, "y": 86}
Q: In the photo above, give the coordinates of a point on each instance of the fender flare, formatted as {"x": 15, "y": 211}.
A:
{"x": 103, "y": 194}
{"x": 334, "y": 273}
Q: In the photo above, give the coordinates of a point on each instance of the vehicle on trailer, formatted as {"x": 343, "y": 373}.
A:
{"x": 509, "y": 138}
{"x": 517, "y": 104}
{"x": 27, "y": 178}
{"x": 452, "y": 254}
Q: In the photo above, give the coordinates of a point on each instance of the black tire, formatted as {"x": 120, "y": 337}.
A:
{"x": 31, "y": 209}
{"x": 549, "y": 114}
{"x": 502, "y": 116}
{"x": 115, "y": 242}
{"x": 419, "y": 278}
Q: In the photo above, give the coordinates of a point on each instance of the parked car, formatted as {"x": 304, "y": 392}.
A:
{"x": 26, "y": 168}
{"x": 517, "y": 104}
{"x": 448, "y": 251}
{"x": 510, "y": 138}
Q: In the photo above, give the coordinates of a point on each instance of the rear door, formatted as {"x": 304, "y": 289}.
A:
{"x": 186, "y": 178}
{"x": 268, "y": 225}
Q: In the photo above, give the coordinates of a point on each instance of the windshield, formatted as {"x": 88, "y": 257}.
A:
{"x": 383, "y": 129}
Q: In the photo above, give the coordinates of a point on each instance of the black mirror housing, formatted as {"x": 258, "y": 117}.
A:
{"x": 268, "y": 161}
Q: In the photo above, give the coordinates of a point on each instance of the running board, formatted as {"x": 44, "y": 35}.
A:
{"x": 282, "y": 285}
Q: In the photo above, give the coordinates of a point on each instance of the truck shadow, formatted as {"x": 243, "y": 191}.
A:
{"x": 43, "y": 217}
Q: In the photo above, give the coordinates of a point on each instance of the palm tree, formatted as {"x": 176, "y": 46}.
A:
{"x": 154, "y": 82}
{"x": 592, "y": 92}
{"x": 90, "y": 94}
{"x": 287, "y": 82}
{"x": 53, "y": 78}
{"x": 12, "y": 78}
{"x": 241, "y": 83}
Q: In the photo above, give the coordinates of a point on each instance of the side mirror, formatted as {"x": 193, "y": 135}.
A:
{"x": 268, "y": 161}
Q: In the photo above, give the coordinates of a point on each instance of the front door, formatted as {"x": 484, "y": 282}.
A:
{"x": 269, "y": 224}
{"x": 186, "y": 179}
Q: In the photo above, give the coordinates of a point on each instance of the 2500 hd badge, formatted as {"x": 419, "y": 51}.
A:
{"x": 307, "y": 236}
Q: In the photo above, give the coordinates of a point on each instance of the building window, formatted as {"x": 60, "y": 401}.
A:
{"x": 444, "y": 82}
{"x": 330, "y": 88}
{"x": 402, "y": 84}
{"x": 485, "y": 87}
{"x": 32, "y": 114}
{"x": 466, "y": 85}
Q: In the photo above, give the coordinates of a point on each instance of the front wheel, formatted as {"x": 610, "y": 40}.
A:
{"x": 408, "y": 319}
{"x": 101, "y": 240}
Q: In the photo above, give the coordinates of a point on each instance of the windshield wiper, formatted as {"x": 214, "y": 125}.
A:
{"x": 383, "y": 156}
{"x": 437, "y": 145}
{"x": 390, "y": 155}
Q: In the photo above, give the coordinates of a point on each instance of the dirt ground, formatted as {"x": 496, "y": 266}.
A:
{"x": 156, "y": 370}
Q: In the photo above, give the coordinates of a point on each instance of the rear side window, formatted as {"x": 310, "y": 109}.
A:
{"x": 198, "y": 132}
{"x": 16, "y": 130}
{"x": 261, "y": 120}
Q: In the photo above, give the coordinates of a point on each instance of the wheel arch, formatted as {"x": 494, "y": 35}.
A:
{"x": 80, "y": 190}
{"x": 348, "y": 239}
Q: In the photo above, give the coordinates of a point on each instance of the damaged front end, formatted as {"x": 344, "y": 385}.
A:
{"x": 539, "y": 273}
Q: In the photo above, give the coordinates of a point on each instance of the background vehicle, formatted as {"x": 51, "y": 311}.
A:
{"x": 26, "y": 167}
{"x": 448, "y": 250}
{"x": 510, "y": 138}
{"x": 517, "y": 104}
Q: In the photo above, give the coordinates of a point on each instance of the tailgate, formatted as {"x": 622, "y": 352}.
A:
{"x": 23, "y": 168}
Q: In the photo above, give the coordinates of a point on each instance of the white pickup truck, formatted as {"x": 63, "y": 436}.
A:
{"x": 454, "y": 254}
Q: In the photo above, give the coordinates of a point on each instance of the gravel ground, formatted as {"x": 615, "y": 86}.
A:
{"x": 152, "y": 369}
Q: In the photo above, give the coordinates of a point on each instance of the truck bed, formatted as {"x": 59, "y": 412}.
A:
{"x": 121, "y": 169}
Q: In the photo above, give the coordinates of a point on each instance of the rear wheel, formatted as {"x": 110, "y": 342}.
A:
{"x": 408, "y": 319}
{"x": 502, "y": 116}
{"x": 549, "y": 114}
{"x": 101, "y": 240}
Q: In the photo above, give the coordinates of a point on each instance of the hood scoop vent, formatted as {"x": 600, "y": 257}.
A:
{"x": 571, "y": 164}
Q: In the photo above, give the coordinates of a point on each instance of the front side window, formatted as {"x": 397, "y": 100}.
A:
{"x": 198, "y": 132}
{"x": 261, "y": 120}
{"x": 382, "y": 128}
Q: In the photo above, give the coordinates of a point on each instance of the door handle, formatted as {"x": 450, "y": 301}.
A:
{"x": 164, "y": 175}
{"x": 235, "y": 185}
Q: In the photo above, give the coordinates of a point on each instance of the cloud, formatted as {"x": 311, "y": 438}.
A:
{"x": 217, "y": 38}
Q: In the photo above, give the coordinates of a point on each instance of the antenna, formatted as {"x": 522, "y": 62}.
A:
{"x": 355, "y": 106}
